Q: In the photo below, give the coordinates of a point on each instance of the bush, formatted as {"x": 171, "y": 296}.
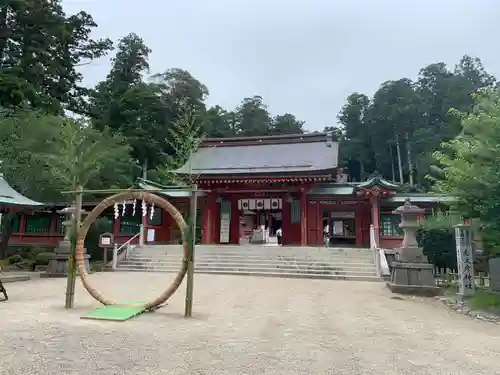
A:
{"x": 14, "y": 259}
{"x": 439, "y": 246}
{"x": 42, "y": 259}
{"x": 28, "y": 251}
{"x": 437, "y": 238}
{"x": 26, "y": 264}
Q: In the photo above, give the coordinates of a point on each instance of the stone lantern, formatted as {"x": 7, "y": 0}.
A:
{"x": 58, "y": 263}
{"x": 409, "y": 250}
{"x": 411, "y": 272}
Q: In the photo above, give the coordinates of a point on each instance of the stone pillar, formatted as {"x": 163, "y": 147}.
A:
{"x": 411, "y": 272}
{"x": 465, "y": 262}
{"x": 58, "y": 263}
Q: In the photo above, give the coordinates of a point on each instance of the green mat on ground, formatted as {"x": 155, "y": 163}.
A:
{"x": 116, "y": 313}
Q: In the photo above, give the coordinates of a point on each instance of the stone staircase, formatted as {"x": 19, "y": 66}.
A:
{"x": 273, "y": 261}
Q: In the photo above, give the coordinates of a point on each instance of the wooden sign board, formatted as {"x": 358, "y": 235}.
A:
{"x": 106, "y": 240}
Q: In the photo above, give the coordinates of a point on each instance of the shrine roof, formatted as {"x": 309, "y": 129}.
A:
{"x": 380, "y": 182}
{"x": 10, "y": 197}
{"x": 264, "y": 155}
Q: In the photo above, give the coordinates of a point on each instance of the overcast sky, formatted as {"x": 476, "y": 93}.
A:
{"x": 302, "y": 57}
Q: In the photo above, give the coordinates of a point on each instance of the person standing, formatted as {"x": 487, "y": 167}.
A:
{"x": 326, "y": 235}
{"x": 279, "y": 236}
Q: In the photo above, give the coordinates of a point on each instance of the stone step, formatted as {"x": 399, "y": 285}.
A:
{"x": 252, "y": 251}
{"x": 259, "y": 249}
{"x": 240, "y": 267}
{"x": 271, "y": 265}
{"x": 314, "y": 262}
{"x": 254, "y": 255}
{"x": 304, "y": 262}
{"x": 264, "y": 250}
{"x": 268, "y": 274}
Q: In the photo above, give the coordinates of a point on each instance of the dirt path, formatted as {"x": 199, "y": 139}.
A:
{"x": 242, "y": 326}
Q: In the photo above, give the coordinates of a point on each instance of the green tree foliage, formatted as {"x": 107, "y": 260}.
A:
{"x": 40, "y": 51}
{"x": 219, "y": 123}
{"x": 437, "y": 238}
{"x": 79, "y": 154}
{"x": 468, "y": 166}
{"x": 127, "y": 105}
{"x": 286, "y": 124}
{"x": 252, "y": 117}
{"x": 396, "y": 132}
{"x": 184, "y": 137}
{"x": 44, "y": 154}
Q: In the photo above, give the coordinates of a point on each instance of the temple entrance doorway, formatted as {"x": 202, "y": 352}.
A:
{"x": 339, "y": 228}
{"x": 259, "y": 220}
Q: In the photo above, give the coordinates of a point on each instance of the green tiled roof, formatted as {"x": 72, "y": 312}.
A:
{"x": 10, "y": 197}
{"x": 378, "y": 181}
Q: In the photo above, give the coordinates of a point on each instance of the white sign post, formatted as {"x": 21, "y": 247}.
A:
{"x": 225, "y": 223}
{"x": 465, "y": 260}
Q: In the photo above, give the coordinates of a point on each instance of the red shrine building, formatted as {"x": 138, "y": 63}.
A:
{"x": 247, "y": 184}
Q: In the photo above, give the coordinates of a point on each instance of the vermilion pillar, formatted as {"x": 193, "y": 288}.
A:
{"x": 359, "y": 226}
{"x": 144, "y": 222}
{"x": 375, "y": 203}
{"x": 209, "y": 219}
{"x": 303, "y": 217}
{"x": 116, "y": 226}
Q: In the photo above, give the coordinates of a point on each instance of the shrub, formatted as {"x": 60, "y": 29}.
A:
{"x": 437, "y": 238}
{"x": 439, "y": 247}
{"x": 14, "y": 259}
{"x": 42, "y": 259}
{"x": 28, "y": 251}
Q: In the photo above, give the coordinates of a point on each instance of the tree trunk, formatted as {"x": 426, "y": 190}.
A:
{"x": 6, "y": 226}
{"x": 362, "y": 171}
{"x": 5, "y": 32}
{"x": 410, "y": 162}
{"x": 400, "y": 164}
{"x": 145, "y": 169}
{"x": 393, "y": 170}
{"x": 71, "y": 280}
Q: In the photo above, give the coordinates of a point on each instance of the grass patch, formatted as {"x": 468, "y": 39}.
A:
{"x": 448, "y": 288}
{"x": 485, "y": 301}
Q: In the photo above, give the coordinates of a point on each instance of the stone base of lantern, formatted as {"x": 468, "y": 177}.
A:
{"x": 413, "y": 278}
{"x": 58, "y": 263}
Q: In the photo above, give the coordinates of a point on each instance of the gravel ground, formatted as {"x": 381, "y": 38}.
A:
{"x": 242, "y": 325}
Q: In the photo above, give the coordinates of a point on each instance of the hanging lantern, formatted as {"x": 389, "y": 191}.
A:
{"x": 144, "y": 208}
{"x": 133, "y": 207}
{"x": 151, "y": 212}
{"x": 117, "y": 210}
{"x": 124, "y": 207}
